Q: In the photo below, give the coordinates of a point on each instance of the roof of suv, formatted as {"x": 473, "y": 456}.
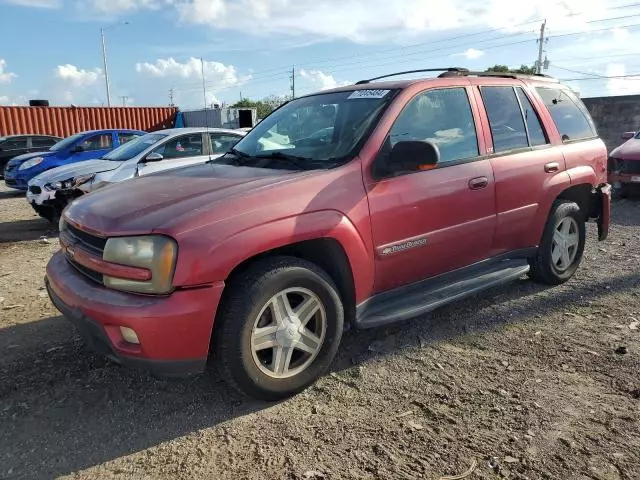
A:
{"x": 452, "y": 72}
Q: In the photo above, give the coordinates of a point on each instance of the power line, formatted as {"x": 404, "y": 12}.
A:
{"x": 279, "y": 71}
{"x": 632, "y": 76}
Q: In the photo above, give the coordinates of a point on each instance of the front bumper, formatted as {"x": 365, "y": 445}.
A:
{"x": 14, "y": 182}
{"x": 174, "y": 331}
{"x": 40, "y": 198}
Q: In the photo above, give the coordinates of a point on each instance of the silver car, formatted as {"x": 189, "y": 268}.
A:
{"x": 49, "y": 192}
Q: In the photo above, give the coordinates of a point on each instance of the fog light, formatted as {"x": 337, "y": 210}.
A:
{"x": 129, "y": 335}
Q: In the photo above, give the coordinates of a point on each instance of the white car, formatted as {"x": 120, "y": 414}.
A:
{"x": 49, "y": 192}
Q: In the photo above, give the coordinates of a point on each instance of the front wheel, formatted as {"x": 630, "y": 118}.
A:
{"x": 279, "y": 328}
{"x": 562, "y": 246}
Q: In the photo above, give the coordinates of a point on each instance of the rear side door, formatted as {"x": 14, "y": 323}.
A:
{"x": 524, "y": 162}
{"x": 91, "y": 147}
{"x": 429, "y": 222}
{"x": 180, "y": 151}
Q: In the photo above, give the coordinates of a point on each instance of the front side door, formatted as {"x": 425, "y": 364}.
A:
{"x": 430, "y": 222}
{"x": 91, "y": 147}
{"x": 524, "y": 162}
{"x": 177, "y": 152}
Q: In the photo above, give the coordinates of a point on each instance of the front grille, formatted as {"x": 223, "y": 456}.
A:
{"x": 10, "y": 182}
{"x": 9, "y": 168}
{"x": 624, "y": 166}
{"x": 87, "y": 272}
{"x": 91, "y": 242}
{"x": 35, "y": 189}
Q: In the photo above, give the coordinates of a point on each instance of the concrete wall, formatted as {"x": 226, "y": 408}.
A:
{"x": 614, "y": 115}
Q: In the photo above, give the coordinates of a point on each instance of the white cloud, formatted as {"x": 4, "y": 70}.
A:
{"x": 321, "y": 80}
{"x": 187, "y": 78}
{"x": 35, "y": 3}
{"x": 77, "y": 77}
{"x": 621, "y": 86}
{"x": 5, "y": 77}
{"x": 116, "y": 7}
{"x": 470, "y": 53}
{"x": 371, "y": 20}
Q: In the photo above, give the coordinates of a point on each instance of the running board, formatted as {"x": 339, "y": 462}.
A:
{"x": 417, "y": 299}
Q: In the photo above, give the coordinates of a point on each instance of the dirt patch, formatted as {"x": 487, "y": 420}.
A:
{"x": 523, "y": 381}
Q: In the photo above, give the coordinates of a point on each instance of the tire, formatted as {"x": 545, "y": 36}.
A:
{"x": 545, "y": 266}
{"x": 248, "y": 305}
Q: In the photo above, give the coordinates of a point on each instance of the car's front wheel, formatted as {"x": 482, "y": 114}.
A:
{"x": 560, "y": 251}
{"x": 278, "y": 329}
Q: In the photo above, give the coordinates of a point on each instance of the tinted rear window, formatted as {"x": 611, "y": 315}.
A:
{"x": 569, "y": 114}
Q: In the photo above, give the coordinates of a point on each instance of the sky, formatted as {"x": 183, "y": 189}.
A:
{"x": 51, "y": 49}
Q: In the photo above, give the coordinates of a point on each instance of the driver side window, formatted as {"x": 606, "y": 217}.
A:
{"x": 442, "y": 117}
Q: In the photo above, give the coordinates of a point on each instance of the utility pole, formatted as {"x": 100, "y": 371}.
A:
{"x": 293, "y": 82}
{"x": 124, "y": 100}
{"x": 106, "y": 72}
{"x": 541, "y": 42}
{"x": 171, "y": 97}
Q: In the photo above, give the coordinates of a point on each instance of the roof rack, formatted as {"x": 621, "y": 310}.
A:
{"x": 462, "y": 72}
{"x": 446, "y": 69}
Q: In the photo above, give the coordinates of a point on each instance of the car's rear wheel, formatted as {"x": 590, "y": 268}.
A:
{"x": 279, "y": 328}
{"x": 562, "y": 245}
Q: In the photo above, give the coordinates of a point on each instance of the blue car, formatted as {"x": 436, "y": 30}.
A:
{"x": 76, "y": 148}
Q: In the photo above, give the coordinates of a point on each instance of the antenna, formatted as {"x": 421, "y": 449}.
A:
{"x": 206, "y": 115}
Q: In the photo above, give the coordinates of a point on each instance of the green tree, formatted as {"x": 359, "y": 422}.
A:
{"x": 525, "y": 69}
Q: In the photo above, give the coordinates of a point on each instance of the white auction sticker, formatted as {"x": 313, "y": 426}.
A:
{"x": 368, "y": 94}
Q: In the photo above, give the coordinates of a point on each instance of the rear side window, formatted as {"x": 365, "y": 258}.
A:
{"x": 505, "y": 118}
{"x": 223, "y": 142}
{"x": 569, "y": 114}
{"x": 43, "y": 141}
{"x": 536, "y": 133}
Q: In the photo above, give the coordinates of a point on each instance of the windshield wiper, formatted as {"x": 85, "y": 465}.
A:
{"x": 237, "y": 153}
{"x": 301, "y": 163}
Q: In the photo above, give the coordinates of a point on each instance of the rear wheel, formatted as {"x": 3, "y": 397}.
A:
{"x": 279, "y": 328}
{"x": 562, "y": 246}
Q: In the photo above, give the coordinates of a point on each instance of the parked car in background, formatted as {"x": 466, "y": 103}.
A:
{"x": 427, "y": 191}
{"x": 15, "y": 145}
{"x": 624, "y": 165}
{"x": 76, "y": 148}
{"x": 49, "y": 192}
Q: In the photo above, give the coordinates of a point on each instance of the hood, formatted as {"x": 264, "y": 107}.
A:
{"x": 160, "y": 200}
{"x": 65, "y": 172}
{"x": 629, "y": 150}
{"x": 26, "y": 156}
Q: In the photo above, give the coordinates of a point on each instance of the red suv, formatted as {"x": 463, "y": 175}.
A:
{"x": 353, "y": 207}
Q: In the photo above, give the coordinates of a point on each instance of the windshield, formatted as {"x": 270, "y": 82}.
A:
{"x": 66, "y": 142}
{"x": 322, "y": 130}
{"x": 133, "y": 147}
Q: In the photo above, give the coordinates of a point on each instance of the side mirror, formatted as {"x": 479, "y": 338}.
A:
{"x": 413, "y": 155}
{"x": 628, "y": 135}
{"x": 153, "y": 157}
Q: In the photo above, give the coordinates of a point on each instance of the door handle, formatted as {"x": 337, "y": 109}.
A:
{"x": 478, "y": 183}
{"x": 551, "y": 167}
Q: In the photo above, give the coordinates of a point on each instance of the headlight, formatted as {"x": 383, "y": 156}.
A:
{"x": 31, "y": 163}
{"x": 153, "y": 252}
{"x": 81, "y": 179}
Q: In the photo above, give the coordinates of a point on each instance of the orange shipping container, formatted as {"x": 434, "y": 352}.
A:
{"x": 65, "y": 121}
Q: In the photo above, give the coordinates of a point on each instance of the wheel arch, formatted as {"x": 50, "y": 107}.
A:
{"x": 327, "y": 253}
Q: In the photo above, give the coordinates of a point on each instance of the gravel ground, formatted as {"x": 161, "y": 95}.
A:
{"x": 521, "y": 382}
